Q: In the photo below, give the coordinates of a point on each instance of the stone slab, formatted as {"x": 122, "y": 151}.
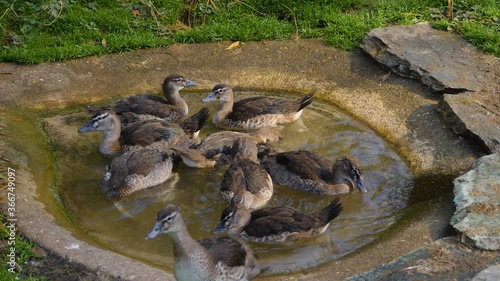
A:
{"x": 442, "y": 60}
{"x": 474, "y": 115}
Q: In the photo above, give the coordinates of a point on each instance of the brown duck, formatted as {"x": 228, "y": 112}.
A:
{"x": 255, "y": 112}
{"x": 218, "y": 258}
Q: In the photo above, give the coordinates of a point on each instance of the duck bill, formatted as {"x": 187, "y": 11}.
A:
{"x": 154, "y": 232}
{"x": 209, "y": 98}
{"x": 86, "y": 128}
{"x": 219, "y": 228}
{"x": 360, "y": 186}
{"x": 190, "y": 83}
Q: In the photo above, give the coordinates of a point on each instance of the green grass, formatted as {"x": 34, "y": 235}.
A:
{"x": 57, "y": 30}
{"x": 23, "y": 250}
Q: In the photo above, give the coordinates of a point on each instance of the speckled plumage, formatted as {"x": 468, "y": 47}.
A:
{"x": 275, "y": 224}
{"x": 254, "y": 112}
{"x": 217, "y": 258}
{"x": 136, "y": 170}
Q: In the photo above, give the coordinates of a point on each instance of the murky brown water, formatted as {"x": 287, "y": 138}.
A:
{"x": 120, "y": 224}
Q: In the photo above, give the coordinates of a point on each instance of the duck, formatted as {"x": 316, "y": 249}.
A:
{"x": 220, "y": 258}
{"x": 136, "y": 170}
{"x": 158, "y": 134}
{"x": 275, "y": 224}
{"x": 146, "y": 107}
{"x": 312, "y": 172}
{"x": 245, "y": 177}
{"x": 225, "y": 149}
{"x": 255, "y": 112}
{"x": 223, "y": 141}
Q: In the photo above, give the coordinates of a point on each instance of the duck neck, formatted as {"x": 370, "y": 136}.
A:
{"x": 184, "y": 244}
{"x": 110, "y": 144}
{"x": 225, "y": 107}
{"x": 174, "y": 98}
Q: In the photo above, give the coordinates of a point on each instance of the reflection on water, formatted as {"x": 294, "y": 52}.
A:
{"x": 121, "y": 224}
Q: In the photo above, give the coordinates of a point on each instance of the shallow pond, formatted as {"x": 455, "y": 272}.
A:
{"x": 120, "y": 224}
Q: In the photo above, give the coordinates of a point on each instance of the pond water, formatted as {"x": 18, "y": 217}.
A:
{"x": 120, "y": 224}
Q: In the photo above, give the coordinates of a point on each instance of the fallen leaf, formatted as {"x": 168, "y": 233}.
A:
{"x": 104, "y": 43}
{"x": 232, "y": 46}
{"x": 136, "y": 12}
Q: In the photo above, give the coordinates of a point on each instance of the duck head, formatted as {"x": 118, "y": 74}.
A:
{"x": 350, "y": 170}
{"x": 234, "y": 217}
{"x": 175, "y": 82}
{"x": 103, "y": 121}
{"x": 168, "y": 220}
{"x": 220, "y": 92}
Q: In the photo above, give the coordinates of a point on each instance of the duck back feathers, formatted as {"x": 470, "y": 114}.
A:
{"x": 136, "y": 170}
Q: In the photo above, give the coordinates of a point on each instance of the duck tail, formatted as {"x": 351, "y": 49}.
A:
{"x": 195, "y": 122}
{"x": 331, "y": 211}
{"x": 306, "y": 100}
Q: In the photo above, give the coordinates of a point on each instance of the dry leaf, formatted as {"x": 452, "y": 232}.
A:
{"x": 136, "y": 12}
{"x": 104, "y": 43}
{"x": 232, "y": 46}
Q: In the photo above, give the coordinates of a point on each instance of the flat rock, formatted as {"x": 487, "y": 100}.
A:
{"x": 491, "y": 273}
{"x": 474, "y": 115}
{"x": 477, "y": 200}
{"x": 442, "y": 60}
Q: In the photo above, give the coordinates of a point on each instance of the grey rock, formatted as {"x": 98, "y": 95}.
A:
{"x": 477, "y": 200}
{"x": 442, "y": 60}
{"x": 474, "y": 115}
{"x": 491, "y": 273}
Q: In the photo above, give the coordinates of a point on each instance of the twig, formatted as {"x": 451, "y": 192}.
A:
{"x": 58, "y": 14}
{"x": 4, "y": 13}
{"x": 295, "y": 23}
{"x": 252, "y": 8}
{"x": 450, "y": 8}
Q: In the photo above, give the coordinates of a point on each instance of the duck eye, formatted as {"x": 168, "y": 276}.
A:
{"x": 169, "y": 219}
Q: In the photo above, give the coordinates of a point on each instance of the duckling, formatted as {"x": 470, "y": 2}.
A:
{"x": 136, "y": 170}
{"x": 171, "y": 108}
{"x": 157, "y": 134}
{"x": 255, "y": 112}
{"x": 218, "y": 258}
{"x": 246, "y": 177}
{"x": 275, "y": 224}
{"x": 221, "y": 153}
{"x": 223, "y": 141}
{"x": 312, "y": 172}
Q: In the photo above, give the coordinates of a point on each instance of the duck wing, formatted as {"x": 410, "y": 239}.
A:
{"x": 255, "y": 106}
{"x": 225, "y": 249}
{"x": 276, "y": 220}
{"x": 149, "y": 104}
{"x": 146, "y": 132}
{"x": 135, "y": 163}
{"x": 306, "y": 164}
{"x": 244, "y": 175}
